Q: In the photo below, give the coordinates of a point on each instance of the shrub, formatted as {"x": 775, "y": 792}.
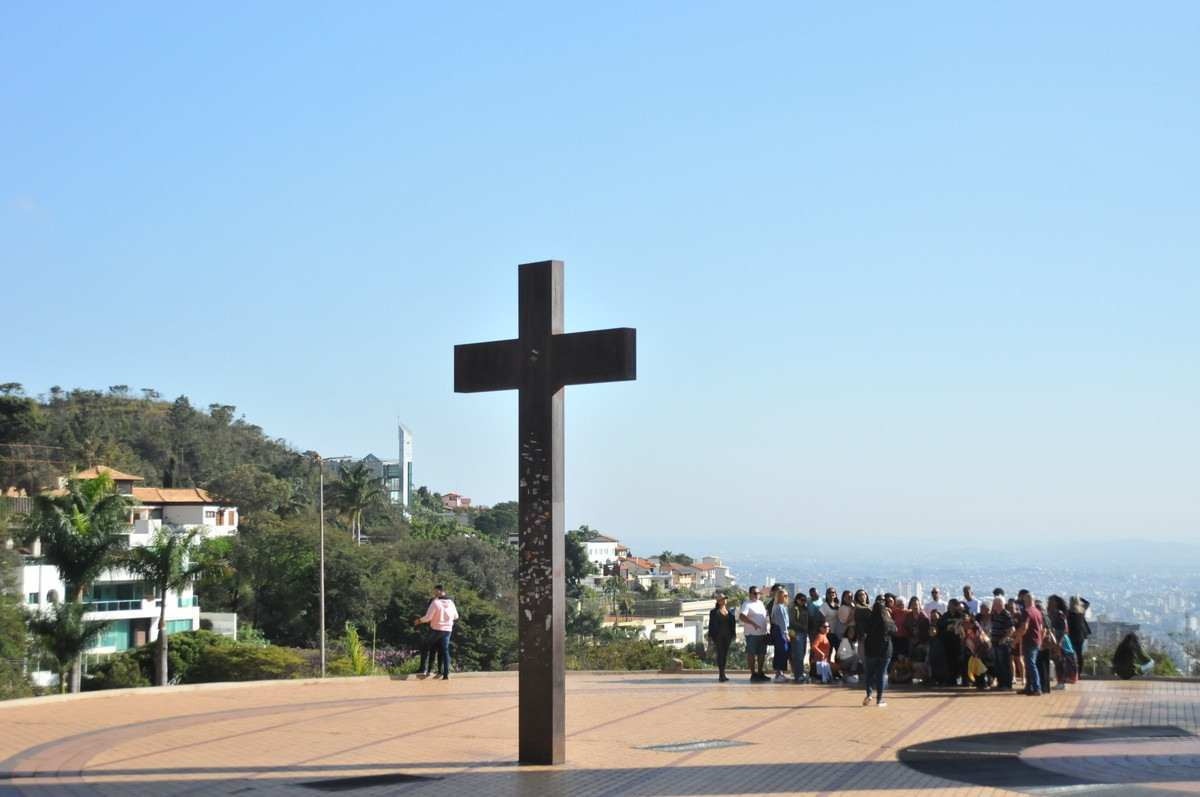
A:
{"x": 183, "y": 650}
{"x": 246, "y": 663}
{"x": 13, "y": 682}
{"x": 118, "y": 671}
{"x": 355, "y": 659}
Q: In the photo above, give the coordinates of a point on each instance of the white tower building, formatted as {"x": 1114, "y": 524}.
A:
{"x": 406, "y": 461}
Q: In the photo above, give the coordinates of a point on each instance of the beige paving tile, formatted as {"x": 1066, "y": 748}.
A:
{"x": 269, "y": 738}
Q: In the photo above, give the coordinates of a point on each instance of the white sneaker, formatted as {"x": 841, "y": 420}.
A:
{"x": 881, "y": 703}
{"x": 867, "y": 700}
{"x": 780, "y": 678}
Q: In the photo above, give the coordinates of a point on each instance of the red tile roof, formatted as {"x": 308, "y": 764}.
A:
{"x": 166, "y": 495}
{"x": 112, "y": 473}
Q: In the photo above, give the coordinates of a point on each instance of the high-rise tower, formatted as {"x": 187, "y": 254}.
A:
{"x": 406, "y": 461}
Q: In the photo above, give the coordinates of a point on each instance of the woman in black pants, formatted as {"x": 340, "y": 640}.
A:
{"x": 722, "y": 629}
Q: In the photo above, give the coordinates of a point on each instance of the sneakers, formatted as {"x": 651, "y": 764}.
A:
{"x": 780, "y": 678}
{"x": 880, "y": 703}
{"x": 758, "y": 678}
{"x": 867, "y": 700}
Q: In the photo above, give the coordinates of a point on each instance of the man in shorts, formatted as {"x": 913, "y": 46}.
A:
{"x": 753, "y": 616}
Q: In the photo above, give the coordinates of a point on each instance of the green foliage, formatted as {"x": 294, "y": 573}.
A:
{"x": 627, "y": 654}
{"x": 246, "y": 663}
{"x": 187, "y": 648}
{"x": 119, "y": 671}
{"x": 577, "y": 565}
{"x": 252, "y": 489}
{"x": 354, "y": 660}
{"x": 82, "y": 531}
{"x": 488, "y": 568}
{"x": 64, "y": 635}
{"x": 169, "y": 443}
{"x": 583, "y": 622}
{"x": 356, "y": 491}
{"x": 498, "y": 522}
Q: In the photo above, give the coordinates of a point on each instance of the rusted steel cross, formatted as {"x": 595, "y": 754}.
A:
{"x": 539, "y": 364}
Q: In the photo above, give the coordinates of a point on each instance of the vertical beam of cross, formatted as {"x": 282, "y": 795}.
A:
{"x": 540, "y": 363}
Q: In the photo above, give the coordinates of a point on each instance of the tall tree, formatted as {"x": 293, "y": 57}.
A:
{"x": 82, "y": 531}
{"x": 170, "y": 562}
{"x": 355, "y": 492}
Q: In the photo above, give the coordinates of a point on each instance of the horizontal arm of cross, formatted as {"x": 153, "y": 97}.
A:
{"x": 480, "y": 367}
{"x": 578, "y": 358}
{"x": 606, "y": 355}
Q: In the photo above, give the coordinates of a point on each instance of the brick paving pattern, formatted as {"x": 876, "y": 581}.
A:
{"x": 375, "y": 736}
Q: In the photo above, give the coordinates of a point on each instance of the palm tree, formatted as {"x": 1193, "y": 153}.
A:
{"x": 66, "y": 635}
{"x": 614, "y": 587}
{"x": 169, "y": 562}
{"x": 82, "y": 530}
{"x": 356, "y": 491}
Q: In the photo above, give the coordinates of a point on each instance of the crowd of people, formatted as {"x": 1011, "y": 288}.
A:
{"x": 989, "y": 643}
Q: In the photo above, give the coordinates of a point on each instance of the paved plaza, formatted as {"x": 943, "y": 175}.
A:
{"x": 628, "y": 734}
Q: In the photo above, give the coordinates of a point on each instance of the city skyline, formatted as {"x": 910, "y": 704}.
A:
{"x": 896, "y": 273}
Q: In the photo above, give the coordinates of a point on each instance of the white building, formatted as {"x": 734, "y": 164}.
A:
{"x": 118, "y": 596}
{"x": 398, "y": 476}
{"x": 715, "y": 576}
{"x": 601, "y": 551}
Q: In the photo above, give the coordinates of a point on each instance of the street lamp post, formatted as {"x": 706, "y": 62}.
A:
{"x": 321, "y": 511}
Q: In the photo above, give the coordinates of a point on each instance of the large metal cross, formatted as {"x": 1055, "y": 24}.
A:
{"x": 539, "y": 364}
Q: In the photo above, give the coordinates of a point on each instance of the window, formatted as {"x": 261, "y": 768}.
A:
{"x": 210, "y": 513}
{"x": 115, "y": 636}
{"x": 176, "y": 626}
{"x": 32, "y": 598}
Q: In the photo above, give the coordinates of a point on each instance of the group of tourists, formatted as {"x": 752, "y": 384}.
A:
{"x": 855, "y": 639}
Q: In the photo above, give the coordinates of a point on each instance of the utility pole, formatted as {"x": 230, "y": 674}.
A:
{"x": 321, "y": 511}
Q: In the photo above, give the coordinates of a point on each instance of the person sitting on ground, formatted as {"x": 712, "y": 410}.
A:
{"x": 1129, "y": 659}
{"x": 820, "y": 653}
{"x": 846, "y": 661}
{"x": 978, "y": 650}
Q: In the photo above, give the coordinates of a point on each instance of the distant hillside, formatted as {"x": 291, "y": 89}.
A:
{"x": 169, "y": 443}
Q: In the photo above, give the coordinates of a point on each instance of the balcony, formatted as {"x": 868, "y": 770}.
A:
{"x": 113, "y": 606}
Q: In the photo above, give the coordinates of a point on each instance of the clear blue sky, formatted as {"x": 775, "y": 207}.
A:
{"x": 908, "y": 271}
